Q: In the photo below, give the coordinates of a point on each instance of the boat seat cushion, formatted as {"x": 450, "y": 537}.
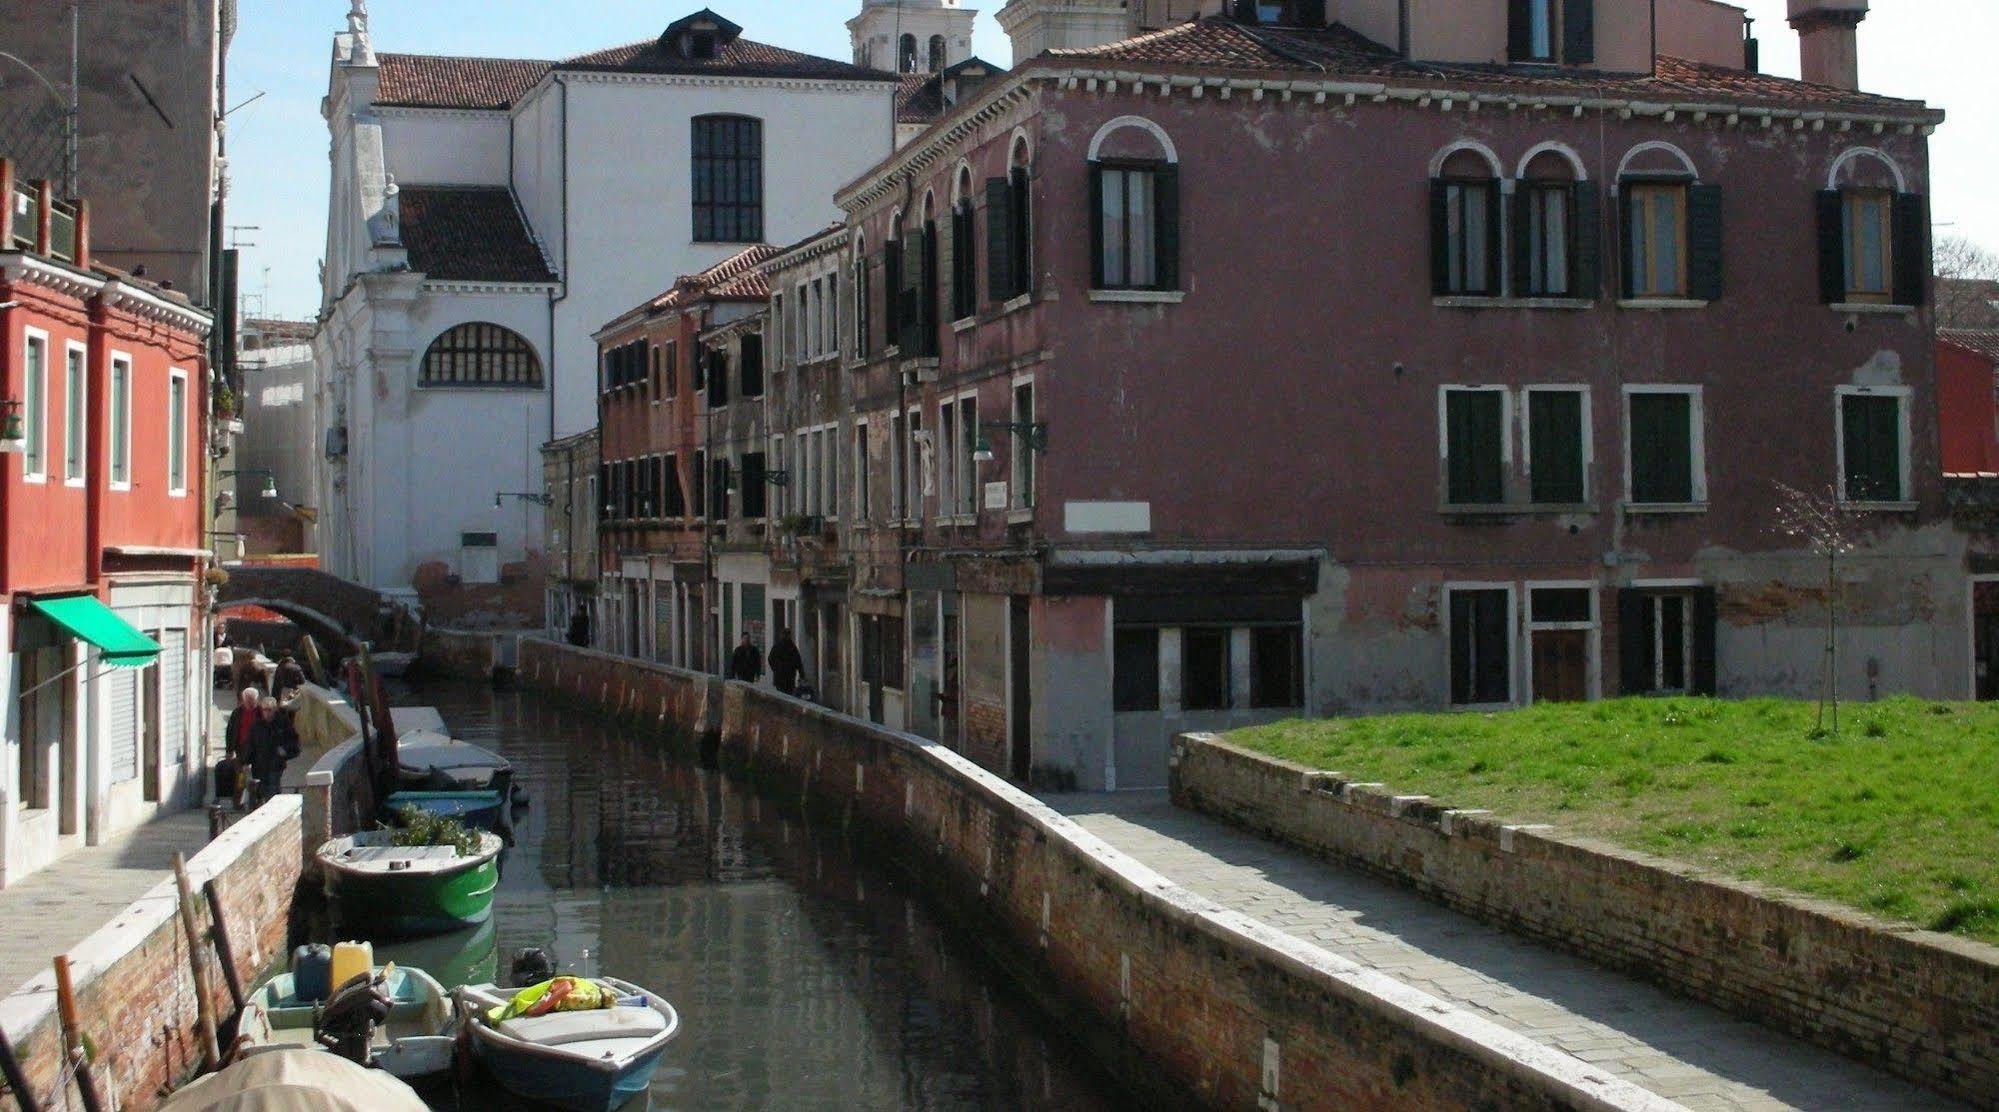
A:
{"x": 558, "y": 1028}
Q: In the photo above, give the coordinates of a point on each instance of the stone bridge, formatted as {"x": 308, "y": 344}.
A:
{"x": 335, "y": 611}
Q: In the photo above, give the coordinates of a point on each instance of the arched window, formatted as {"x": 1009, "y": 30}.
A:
{"x": 964, "y": 258}
{"x": 480, "y": 354}
{"x": 1555, "y": 226}
{"x": 1670, "y": 226}
{"x": 1873, "y": 233}
{"x": 1009, "y": 229}
{"x": 906, "y": 56}
{"x": 1134, "y": 207}
{"x": 728, "y": 179}
{"x": 1464, "y": 225}
{"x": 936, "y": 54}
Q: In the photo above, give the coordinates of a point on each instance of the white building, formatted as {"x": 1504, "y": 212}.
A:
{"x": 486, "y": 216}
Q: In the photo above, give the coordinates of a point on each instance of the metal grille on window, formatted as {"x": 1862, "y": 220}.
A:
{"x": 480, "y": 354}
{"x": 728, "y": 179}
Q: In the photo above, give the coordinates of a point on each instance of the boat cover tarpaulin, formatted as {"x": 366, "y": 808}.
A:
{"x": 296, "y": 1081}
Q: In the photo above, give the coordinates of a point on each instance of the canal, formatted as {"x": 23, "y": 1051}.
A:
{"x": 805, "y": 976}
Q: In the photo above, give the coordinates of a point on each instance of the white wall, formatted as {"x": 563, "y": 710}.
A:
{"x": 445, "y": 148}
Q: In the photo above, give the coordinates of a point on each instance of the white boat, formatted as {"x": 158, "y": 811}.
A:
{"x": 296, "y": 1081}
{"x": 415, "y": 1042}
{"x": 586, "y": 1061}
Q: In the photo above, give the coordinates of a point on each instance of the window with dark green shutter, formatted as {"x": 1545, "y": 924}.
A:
{"x": 755, "y": 488}
{"x": 1134, "y": 226}
{"x": 999, "y": 240}
{"x": 964, "y": 268}
{"x": 1664, "y": 467}
{"x": 1481, "y": 647}
{"x": 1871, "y": 447}
{"x": 892, "y": 293}
{"x": 1475, "y": 447}
{"x": 752, "y": 369}
{"x": 1465, "y": 223}
{"x": 1555, "y": 447}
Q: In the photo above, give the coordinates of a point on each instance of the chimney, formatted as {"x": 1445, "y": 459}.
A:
{"x": 1828, "y": 40}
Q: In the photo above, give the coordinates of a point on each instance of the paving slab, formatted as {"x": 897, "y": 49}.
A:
{"x": 1689, "y": 1052}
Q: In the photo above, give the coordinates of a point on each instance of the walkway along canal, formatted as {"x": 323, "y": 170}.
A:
{"x": 805, "y": 977}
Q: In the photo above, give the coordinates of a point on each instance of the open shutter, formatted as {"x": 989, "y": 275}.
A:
{"x": 1705, "y": 621}
{"x": 1520, "y": 256}
{"x": 891, "y": 296}
{"x": 1633, "y": 642}
{"x": 1519, "y": 36}
{"x": 1832, "y": 246}
{"x": 1912, "y": 249}
{"x": 1586, "y": 242}
{"x": 1627, "y": 268}
{"x": 1461, "y": 647}
{"x": 1495, "y": 241}
{"x": 1578, "y": 32}
{"x": 1166, "y": 210}
{"x": 999, "y": 239}
{"x": 1440, "y": 237}
{"x": 1096, "y": 226}
{"x": 1704, "y": 242}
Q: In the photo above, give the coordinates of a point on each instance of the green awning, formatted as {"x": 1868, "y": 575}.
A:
{"x": 87, "y": 619}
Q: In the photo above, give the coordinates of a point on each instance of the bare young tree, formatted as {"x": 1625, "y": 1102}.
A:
{"x": 1831, "y": 529}
{"x": 1968, "y": 281}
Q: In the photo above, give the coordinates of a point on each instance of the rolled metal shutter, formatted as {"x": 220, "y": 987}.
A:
{"x": 173, "y": 696}
{"x": 121, "y": 723}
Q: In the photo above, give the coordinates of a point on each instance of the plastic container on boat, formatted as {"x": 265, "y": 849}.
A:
{"x": 312, "y": 971}
{"x": 350, "y": 960}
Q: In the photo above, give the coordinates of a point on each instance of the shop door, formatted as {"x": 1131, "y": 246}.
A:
{"x": 1561, "y": 666}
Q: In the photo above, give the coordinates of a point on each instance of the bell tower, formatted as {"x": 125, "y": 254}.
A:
{"x": 911, "y": 36}
{"x": 1038, "y": 25}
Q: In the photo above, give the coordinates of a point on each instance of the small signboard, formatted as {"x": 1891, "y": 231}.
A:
{"x": 996, "y": 496}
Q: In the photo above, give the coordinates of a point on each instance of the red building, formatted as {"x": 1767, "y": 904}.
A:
{"x": 1967, "y": 416}
{"x": 101, "y": 546}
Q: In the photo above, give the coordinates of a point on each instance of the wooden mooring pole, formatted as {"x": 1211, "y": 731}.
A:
{"x": 72, "y": 1038}
{"x": 17, "y": 1082}
{"x": 204, "y": 1009}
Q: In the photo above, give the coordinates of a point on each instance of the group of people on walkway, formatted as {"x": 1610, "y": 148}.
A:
{"x": 261, "y": 741}
{"x": 787, "y": 664}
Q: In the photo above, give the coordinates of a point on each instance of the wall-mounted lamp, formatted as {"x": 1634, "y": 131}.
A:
{"x": 537, "y": 499}
{"x": 13, "y": 433}
{"x": 1033, "y": 436}
{"x": 269, "y": 489}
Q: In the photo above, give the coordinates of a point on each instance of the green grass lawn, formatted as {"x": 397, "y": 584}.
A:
{"x": 1898, "y": 815}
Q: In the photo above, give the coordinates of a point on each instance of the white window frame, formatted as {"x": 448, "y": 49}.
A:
{"x": 1513, "y": 684}
{"x": 1020, "y": 496}
{"x": 1594, "y": 627}
{"x": 1682, "y": 589}
{"x": 946, "y": 440}
{"x": 1525, "y": 417}
{"x": 76, "y": 418}
{"x": 1904, "y": 403}
{"x": 967, "y": 495}
{"x": 121, "y": 431}
{"x": 912, "y": 425}
{"x": 177, "y": 432}
{"x": 35, "y": 425}
{"x": 1506, "y": 419}
{"x": 1697, "y": 450}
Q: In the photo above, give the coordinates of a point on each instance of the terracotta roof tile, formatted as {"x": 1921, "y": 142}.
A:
{"x": 1978, "y": 341}
{"x": 1223, "y": 44}
{"x": 919, "y": 99}
{"x": 737, "y": 277}
{"x": 435, "y": 81}
{"x": 469, "y": 234}
{"x": 737, "y": 57}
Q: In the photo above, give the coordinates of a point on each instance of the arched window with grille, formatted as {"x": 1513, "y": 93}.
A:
{"x": 481, "y": 354}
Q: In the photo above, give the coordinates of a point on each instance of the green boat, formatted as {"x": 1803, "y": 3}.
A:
{"x": 378, "y": 889}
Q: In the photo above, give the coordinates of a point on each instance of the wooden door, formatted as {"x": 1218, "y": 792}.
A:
{"x": 1561, "y": 666}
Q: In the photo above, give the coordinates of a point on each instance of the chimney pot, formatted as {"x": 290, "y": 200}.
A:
{"x": 1828, "y": 40}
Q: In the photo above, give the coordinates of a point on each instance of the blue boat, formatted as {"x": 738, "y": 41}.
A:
{"x": 589, "y": 1061}
{"x": 478, "y": 810}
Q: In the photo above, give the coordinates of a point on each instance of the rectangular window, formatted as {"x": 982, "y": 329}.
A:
{"x": 121, "y": 420}
{"x": 1127, "y": 220}
{"x": 862, "y": 322}
{"x": 1557, "y": 453}
{"x": 1541, "y": 30}
{"x": 1471, "y": 234}
{"x": 76, "y": 396}
{"x": 1549, "y": 210}
{"x": 34, "y": 407}
{"x": 697, "y": 487}
{"x": 1481, "y": 646}
{"x": 831, "y": 448}
{"x": 728, "y": 179}
{"x": 1204, "y": 669}
{"x": 864, "y": 509}
{"x": 815, "y": 324}
{"x": 1870, "y": 267}
{"x": 751, "y": 371}
{"x": 968, "y": 446}
{"x": 898, "y": 479}
{"x": 1276, "y": 667}
{"x": 947, "y": 459}
{"x": 177, "y": 434}
{"x": 1475, "y": 445}
{"x": 1656, "y": 240}
{"x": 756, "y": 489}
{"x": 1873, "y": 442}
{"x": 1664, "y": 449}
{"x": 1659, "y": 642}
{"x": 830, "y": 343}
{"x": 1021, "y": 448}
{"x": 913, "y": 467}
{"x": 964, "y": 266}
{"x": 671, "y": 359}
{"x": 1135, "y": 670}
{"x": 676, "y": 495}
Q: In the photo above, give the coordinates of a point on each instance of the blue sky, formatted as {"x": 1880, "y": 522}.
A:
{"x": 1935, "y": 49}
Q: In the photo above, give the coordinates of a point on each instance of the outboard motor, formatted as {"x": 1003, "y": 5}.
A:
{"x": 531, "y": 966}
{"x": 346, "y": 1023}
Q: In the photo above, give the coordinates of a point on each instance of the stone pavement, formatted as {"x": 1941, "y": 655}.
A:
{"x": 1686, "y": 1051}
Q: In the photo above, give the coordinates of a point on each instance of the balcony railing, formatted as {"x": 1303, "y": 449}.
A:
{"x": 62, "y": 230}
{"x": 24, "y": 200}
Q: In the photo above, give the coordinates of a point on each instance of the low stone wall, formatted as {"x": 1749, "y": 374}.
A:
{"x": 338, "y": 795}
{"x": 1179, "y": 996}
{"x": 134, "y": 984}
{"x": 462, "y": 654}
{"x": 1922, "y": 1005}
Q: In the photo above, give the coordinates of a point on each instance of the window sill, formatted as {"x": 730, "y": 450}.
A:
{"x": 1881, "y": 507}
{"x": 1872, "y": 308}
{"x": 1014, "y": 304}
{"x": 1020, "y": 515}
{"x": 1517, "y": 509}
{"x": 964, "y": 323}
{"x": 1656, "y": 304}
{"x": 1460, "y": 302}
{"x": 1139, "y": 297}
{"x": 1665, "y": 508}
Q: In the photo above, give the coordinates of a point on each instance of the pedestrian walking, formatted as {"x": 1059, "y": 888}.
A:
{"x": 238, "y": 748}
{"x": 287, "y": 680}
{"x": 273, "y": 743}
{"x": 746, "y": 663}
{"x": 786, "y": 663}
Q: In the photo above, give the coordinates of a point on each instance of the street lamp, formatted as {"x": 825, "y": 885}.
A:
{"x": 269, "y": 489}
{"x": 1033, "y": 435}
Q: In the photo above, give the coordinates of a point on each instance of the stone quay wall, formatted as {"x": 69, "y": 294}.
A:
{"x": 461, "y": 654}
{"x": 1921, "y": 1005}
{"x": 338, "y": 797}
{"x": 134, "y": 983}
{"x": 1176, "y": 995}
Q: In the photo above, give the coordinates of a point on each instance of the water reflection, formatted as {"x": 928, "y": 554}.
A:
{"x": 804, "y": 978}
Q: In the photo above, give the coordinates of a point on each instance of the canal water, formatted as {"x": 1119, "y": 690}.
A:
{"x": 805, "y": 977}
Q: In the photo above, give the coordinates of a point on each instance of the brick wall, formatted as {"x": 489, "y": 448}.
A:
{"x": 449, "y": 652}
{"x": 135, "y": 987}
{"x": 1918, "y": 1004}
{"x": 679, "y": 705}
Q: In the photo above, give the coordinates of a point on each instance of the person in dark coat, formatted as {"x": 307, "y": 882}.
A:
{"x": 237, "y": 737}
{"x": 288, "y": 679}
{"x": 746, "y": 663}
{"x": 579, "y": 628}
{"x": 273, "y": 742}
{"x": 786, "y": 663}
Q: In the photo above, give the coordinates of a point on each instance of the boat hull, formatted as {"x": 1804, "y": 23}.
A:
{"x": 567, "y": 1084}
{"x": 482, "y": 809}
{"x": 412, "y": 904}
